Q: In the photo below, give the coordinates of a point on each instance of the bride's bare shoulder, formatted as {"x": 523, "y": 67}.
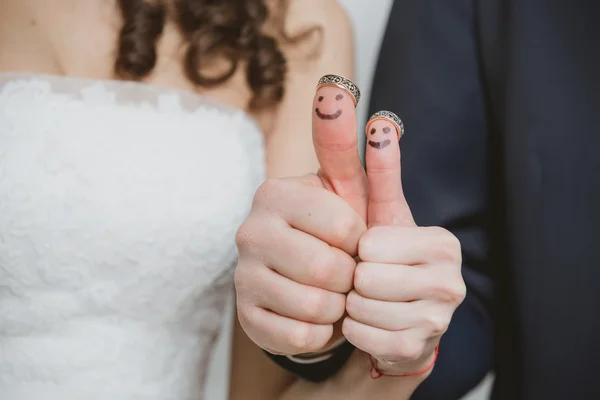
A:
{"x": 327, "y": 20}
{"x": 323, "y": 11}
{"x": 58, "y": 36}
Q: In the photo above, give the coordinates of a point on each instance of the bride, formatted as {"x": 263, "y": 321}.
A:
{"x": 133, "y": 135}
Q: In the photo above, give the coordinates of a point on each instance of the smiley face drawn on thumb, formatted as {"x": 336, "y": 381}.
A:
{"x": 335, "y": 140}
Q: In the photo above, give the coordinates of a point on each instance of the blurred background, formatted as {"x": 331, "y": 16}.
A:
{"x": 369, "y": 26}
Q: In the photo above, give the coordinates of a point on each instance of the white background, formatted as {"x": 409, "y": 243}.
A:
{"x": 370, "y": 19}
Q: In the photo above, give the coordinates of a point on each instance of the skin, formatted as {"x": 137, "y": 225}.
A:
{"x": 380, "y": 134}
{"x": 315, "y": 220}
{"x": 297, "y": 279}
{"x": 336, "y": 145}
{"x": 330, "y": 103}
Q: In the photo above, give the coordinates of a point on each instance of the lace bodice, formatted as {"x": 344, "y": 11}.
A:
{"x": 119, "y": 204}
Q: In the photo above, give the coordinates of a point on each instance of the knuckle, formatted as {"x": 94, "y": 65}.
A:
{"x": 344, "y": 227}
{"x": 459, "y": 292}
{"x": 347, "y": 330}
{"x": 244, "y": 236}
{"x": 354, "y": 305}
{"x": 408, "y": 350}
{"x": 362, "y": 278}
{"x": 249, "y": 287}
{"x": 436, "y": 324}
{"x": 242, "y": 282}
{"x": 314, "y": 303}
{"x": 246, "y": 316}
{"x": 258, "y": 234}
{"x": 304, "y": 339}
{"x": 446, "y": 246}
{"x": 322, "y": 269}
{"x": 452, "y": 291}
{"x": 367, "y": 244}
{"x": 256, "y": 331}
{"x": 268, "y": 191}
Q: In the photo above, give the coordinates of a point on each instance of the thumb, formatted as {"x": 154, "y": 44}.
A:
{"x": 387, "y": 204}
{"x": 336, "y": 142}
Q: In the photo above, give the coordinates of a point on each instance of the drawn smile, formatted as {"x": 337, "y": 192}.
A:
{"x": 321, "y": 115}
{"x": 380, "y": 145}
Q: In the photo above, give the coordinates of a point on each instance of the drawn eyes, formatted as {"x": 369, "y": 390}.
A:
{"x": 386, "y": 130}
{"x": 338, "y": 97}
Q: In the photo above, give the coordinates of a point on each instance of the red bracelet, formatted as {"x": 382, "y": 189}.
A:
{"x": 376, "y": 374}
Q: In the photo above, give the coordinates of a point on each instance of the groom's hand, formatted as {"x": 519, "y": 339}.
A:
{"x": 409, "y": 280}
{"x": 296, "y": 247}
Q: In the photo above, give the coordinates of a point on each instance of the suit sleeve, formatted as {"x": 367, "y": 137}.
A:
{"x": 429, "y": 73}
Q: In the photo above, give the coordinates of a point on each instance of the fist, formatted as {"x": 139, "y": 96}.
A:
{"x": 406, "y": 289}
{"x": 408, "y": 282}
{"x": 295, "y": 265}
{"x": 297, "y": 247}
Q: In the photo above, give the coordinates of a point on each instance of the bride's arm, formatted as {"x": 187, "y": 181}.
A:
{"x": 290, "y": 152}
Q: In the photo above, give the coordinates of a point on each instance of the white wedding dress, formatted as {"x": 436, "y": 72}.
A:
{"x": 119, "y": 204}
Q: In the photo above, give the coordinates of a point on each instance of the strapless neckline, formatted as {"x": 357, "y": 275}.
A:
{"x": 132, "y": 86}
{"x": 118, "y": 216}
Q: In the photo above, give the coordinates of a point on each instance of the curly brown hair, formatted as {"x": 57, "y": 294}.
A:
{"x": 215, "y": 30}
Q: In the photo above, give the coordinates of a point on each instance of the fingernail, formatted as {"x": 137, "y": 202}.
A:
{"x": 379, "y": 127}
{"x": 343, "y": 83}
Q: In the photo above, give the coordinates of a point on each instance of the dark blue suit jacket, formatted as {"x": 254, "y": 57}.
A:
{"x": 501, "y": 104}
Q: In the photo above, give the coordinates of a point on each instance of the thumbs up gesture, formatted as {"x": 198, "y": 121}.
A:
{"x": 298, "y": 276}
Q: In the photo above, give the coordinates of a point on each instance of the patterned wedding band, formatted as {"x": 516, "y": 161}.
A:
{"x": 342, "y": 83}
{"x": 390, "y": 117}
{"x": 314, "y": 358}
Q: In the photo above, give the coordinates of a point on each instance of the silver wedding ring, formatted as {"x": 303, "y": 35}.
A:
{"x": 342, "y": 83}
{"x": 390, "y": 117}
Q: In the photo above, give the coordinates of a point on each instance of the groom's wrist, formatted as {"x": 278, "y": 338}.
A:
{"x": 420, "y": 369}
{"x": 316, "y": 367}
{"x": 317, "y": 357}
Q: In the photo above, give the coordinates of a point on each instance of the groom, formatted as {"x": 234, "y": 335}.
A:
{"x": 502, "y": 101}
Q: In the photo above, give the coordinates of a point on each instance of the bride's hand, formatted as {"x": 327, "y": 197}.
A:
{"x": 297, "y": 245}
{"x": 408, "y": 282}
